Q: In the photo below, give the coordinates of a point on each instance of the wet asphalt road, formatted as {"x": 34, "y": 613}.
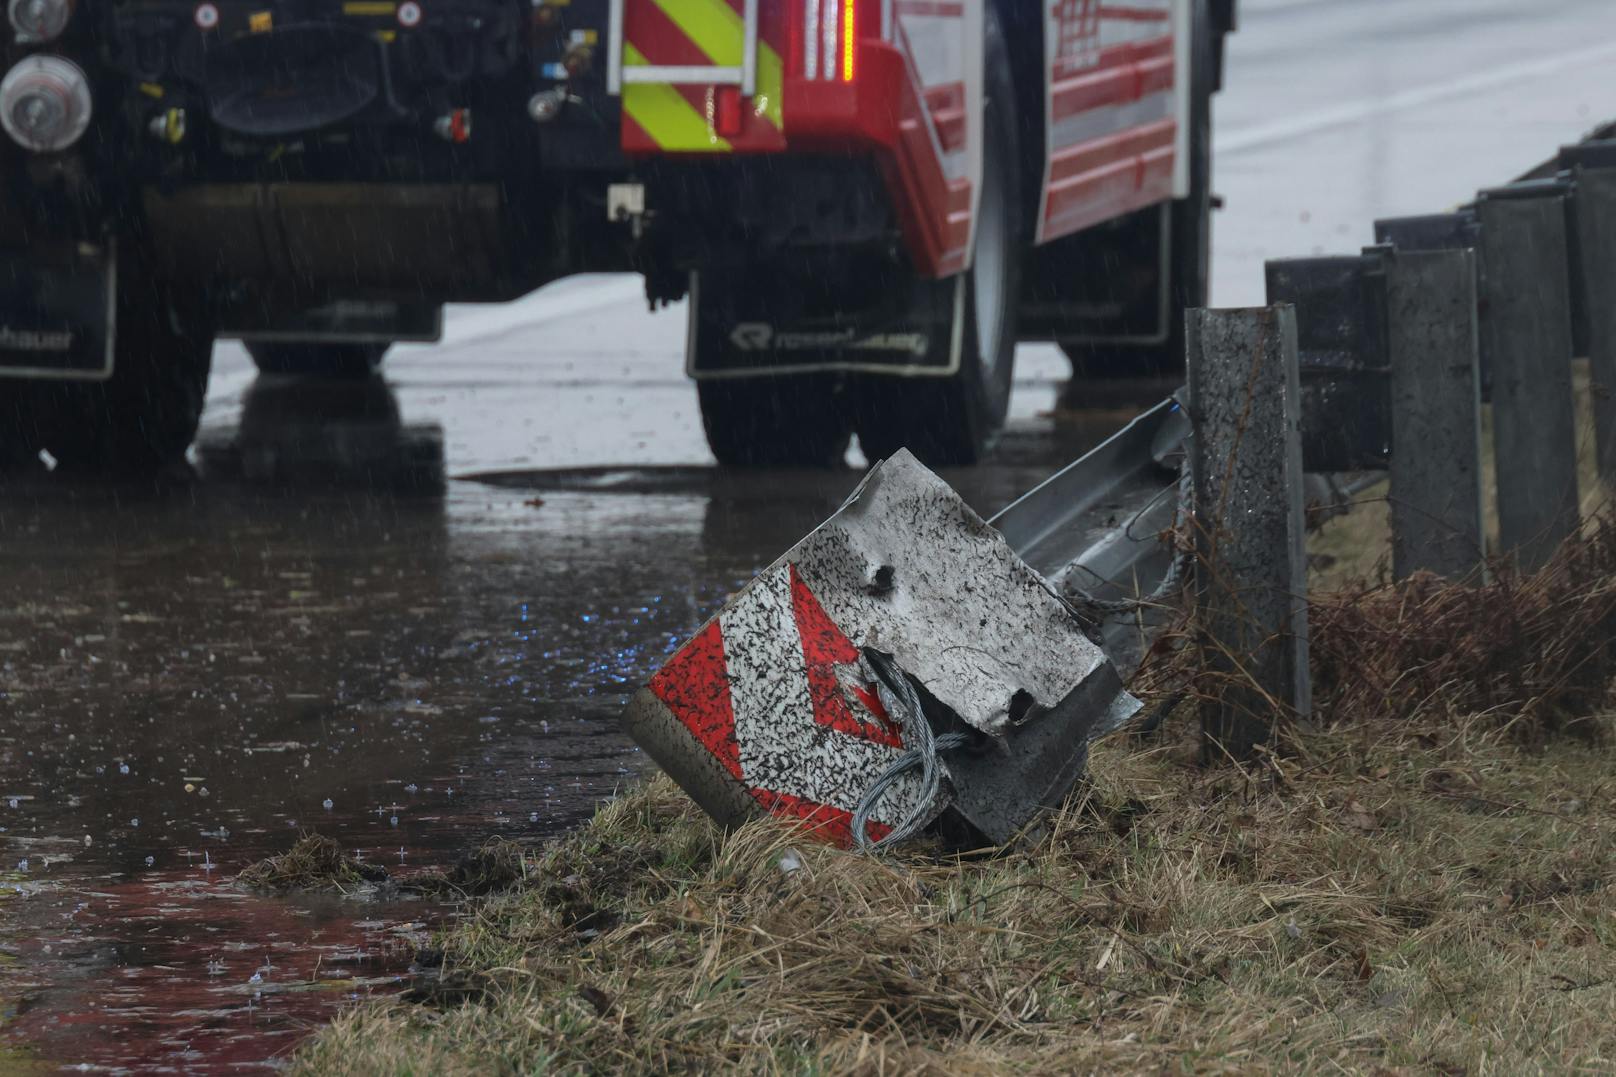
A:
{"x": 188, "y": 678}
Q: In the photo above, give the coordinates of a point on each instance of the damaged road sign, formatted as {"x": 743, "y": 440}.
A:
{"x": 773, "y": 706}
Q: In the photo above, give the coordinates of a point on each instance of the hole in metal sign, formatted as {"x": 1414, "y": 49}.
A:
{"x": 883, "y": 580}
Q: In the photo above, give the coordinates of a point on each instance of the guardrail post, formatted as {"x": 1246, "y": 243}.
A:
{"x": 1246, "y": 463}
{"x": 1436, "y": 505}
{"x": 1456, "y": 231}
{"x": 1340, "y": 306}
{"x": 1526, "y": 333}
{"x": 1595, "y": 203}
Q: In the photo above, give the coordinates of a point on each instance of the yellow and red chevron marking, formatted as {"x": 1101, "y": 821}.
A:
{"x": 663, "y": 118}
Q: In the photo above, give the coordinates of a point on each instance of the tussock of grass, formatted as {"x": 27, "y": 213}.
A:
{"x": 314, "y": 864}
{"x": 498, "y": 864}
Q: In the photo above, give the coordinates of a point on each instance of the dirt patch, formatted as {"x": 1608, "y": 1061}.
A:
{"x": 498, "y": 864}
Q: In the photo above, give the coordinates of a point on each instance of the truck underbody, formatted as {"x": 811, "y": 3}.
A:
{"x": 291, "y": 172}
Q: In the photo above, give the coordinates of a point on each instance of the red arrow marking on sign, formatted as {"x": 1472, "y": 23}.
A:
{"x": 820, "y": 820}
{"x": 824, "y": 649}
{"x": 695, "y": 687}
{"x": 757, "y": 712}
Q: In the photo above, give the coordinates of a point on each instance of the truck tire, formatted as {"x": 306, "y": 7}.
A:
{"x": 1190, "y": 239}
{"x": 138, "y": 422}
{"x": 954, "y": 420}
{"x": 343, "y": 362}
{"x": 133, "y": 426}
{"x": 774, "y": 422}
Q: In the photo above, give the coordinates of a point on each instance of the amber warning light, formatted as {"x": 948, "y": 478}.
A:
{"x": 827, "y": 40}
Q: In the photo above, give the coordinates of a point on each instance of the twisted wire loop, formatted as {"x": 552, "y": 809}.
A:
{"x": 1178, "y": 570}
{"x": 902, "y": 704}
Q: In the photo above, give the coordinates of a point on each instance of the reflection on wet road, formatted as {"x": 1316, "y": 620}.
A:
{"x": 190, "y": 680}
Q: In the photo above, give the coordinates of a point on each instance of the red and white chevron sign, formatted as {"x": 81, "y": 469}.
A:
{"x": 770, "y": 708}
{"x": 788, "y": 712}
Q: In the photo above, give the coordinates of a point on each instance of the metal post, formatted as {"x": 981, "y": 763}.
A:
{"x": 1526, "y": 331}
{"x": 1596, "y": 239}
{"x": 1436, "y": 412}
{"x": 1246, "y": 460}
{"x": 1341, "y": 345}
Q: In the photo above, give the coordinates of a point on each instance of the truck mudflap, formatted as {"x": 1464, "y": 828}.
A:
{"x": 57, "y": 313}
{"x": 761, "y": 323}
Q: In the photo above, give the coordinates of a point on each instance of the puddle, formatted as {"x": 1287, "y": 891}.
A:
{"x": 189, "y": 682}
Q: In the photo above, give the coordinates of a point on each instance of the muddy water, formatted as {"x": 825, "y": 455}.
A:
{"x": 189, "y": 679}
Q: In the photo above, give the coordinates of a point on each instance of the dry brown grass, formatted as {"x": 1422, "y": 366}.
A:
{"x": 1535, "y": 651}
{"x": 1418, "y": 895}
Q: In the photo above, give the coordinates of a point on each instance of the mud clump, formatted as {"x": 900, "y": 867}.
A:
{"x": 315, "y": 864}
{"x": 499, "y": 864}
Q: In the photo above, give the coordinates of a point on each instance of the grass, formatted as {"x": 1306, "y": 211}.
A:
{"x": 314, "y": 864}
{"x": 1416, "y": 894}
{"x": 1421, "y": 897}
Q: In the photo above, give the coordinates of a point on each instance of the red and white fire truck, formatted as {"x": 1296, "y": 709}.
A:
{"x": 866, "y": 202}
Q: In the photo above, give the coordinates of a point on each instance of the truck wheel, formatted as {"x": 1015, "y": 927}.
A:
{"x": 1190, "y": 236}
{"x": 308, "y": 359}
{"x": 773, "y": 422}
{"x": 954, "y": 420}
{"x": 139, "y": 421}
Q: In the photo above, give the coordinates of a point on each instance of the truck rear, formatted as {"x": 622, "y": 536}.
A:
{"x": 867, "y": 203}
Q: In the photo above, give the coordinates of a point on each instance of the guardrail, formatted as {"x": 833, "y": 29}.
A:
{"x": 1375, "y": 362}
{"x": 905, "y": 666}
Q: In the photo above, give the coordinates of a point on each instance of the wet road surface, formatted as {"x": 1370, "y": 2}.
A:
{"x": 191, "y": 678}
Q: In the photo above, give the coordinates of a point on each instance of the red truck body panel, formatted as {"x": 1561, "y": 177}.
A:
{"x": 903, "y": 83}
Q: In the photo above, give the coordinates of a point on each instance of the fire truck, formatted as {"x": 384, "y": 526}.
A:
{"x": 865, "y": 203}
